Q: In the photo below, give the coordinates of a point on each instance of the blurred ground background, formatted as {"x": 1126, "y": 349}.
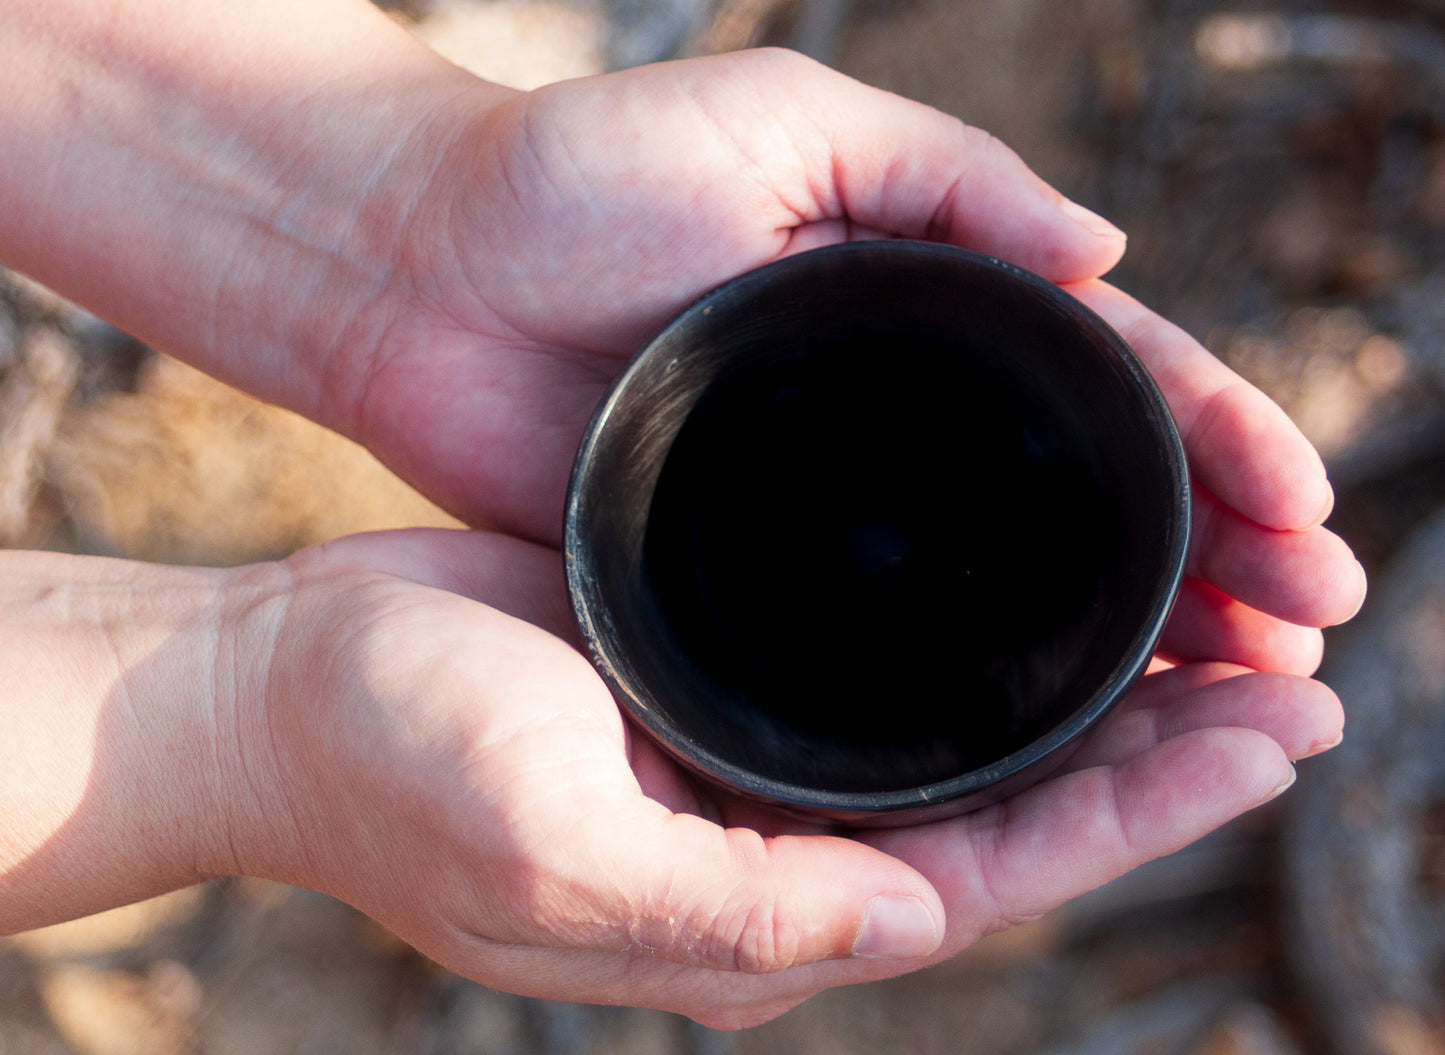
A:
{"x": 1280, "y": 168}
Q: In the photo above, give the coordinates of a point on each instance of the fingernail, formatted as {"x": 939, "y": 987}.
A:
{"x": 1364, "y": 591}
{"x": 1322, "y": 746}
{"x": 1277, "y": 792}
{"x": 1090, "y": 221}
{"x": 896, "y": 928}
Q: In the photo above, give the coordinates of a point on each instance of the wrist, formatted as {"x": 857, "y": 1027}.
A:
{"x": 124, "y": 778}
{"x": 231, "y": 182}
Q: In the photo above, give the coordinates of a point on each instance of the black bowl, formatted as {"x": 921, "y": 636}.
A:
{"x": 876, "y": 532}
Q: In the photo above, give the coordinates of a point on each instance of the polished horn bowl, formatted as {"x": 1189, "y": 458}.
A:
{"x": 877, "y": 532}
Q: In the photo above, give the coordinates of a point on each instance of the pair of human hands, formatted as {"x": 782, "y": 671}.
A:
{"x": 451, "y": 274}
{"x": 433, "y": 749}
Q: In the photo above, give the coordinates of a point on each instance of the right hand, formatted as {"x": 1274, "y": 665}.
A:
{"x": 428, "y": 752}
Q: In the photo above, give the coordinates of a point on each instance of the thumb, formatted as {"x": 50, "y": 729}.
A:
{"x": 898, "y": 166}
{"x": 684, "y": 889}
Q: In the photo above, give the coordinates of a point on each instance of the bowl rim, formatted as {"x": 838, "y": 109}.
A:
{"x": 964, "y": 786}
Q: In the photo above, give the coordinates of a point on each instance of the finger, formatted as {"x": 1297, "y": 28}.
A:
{"x": 662, "y": 780}
{"x": 895, "y": 165}
{"x": 632, "y": 877}
{"x": 1241, "y": 446}
{"x": 1307, "y": 577}
{"x": 1052, "y": 843}
{"x": 1302, "y": 716}
{"x": 1154, "y": 691}
{"x": 1209, "y": 625}
{"x": 830, "y": 232}
{"x": 719, "y": 999}
{"x": 1017, "y": 860}
{"x": 666, "y": 782}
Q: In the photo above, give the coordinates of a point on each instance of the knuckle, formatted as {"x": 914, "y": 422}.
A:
{"x": 982, "y": 146}
{"x": 1167, "y": 349}
{"x": 1000, "y": 910}
{"x": 763, "y": 943}
{"x": 781, "y": 62}
{"x": 750, "y": 933}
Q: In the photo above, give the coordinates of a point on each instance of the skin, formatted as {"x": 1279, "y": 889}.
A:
{"x": 310, "y": 205}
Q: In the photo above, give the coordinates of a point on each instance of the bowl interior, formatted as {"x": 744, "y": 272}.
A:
{"x": 885, "y": 522}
